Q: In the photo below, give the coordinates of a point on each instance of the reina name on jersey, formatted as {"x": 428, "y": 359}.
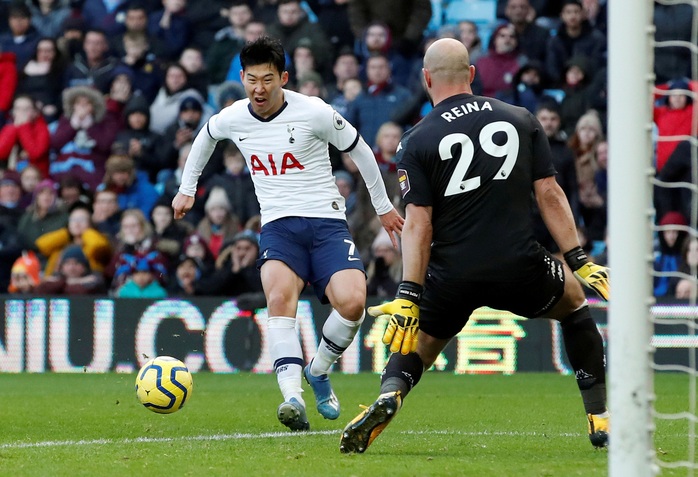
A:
{"x": 466, "y": 108}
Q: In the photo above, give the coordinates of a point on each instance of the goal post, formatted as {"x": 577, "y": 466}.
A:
{"x": 630, "y": 383}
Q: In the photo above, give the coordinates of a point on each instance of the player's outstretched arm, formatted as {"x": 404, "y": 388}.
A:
{"x": 392, "y": 223}
{"x": 365, "y": 161}
{"x": 558, "y": 218}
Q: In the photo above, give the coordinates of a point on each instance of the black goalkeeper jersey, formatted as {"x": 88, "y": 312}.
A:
{"x": 474, "y": 160}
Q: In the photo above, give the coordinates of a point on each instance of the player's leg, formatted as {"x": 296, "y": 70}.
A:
{"x": 338, "y": 278}
{"x": 584, "y": 346}
{"x": 282, "y": 287}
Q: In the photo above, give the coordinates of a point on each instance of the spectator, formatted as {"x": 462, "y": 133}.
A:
{"x": 292, "y": 26}
{"x": 303, "y": 63}
{"x": 195, "y": 246}
{"x": 237, "y": 184}
{"x": 70, "y": 41}
{"x": 229, "y": 92}
{"x": 137, "y": 140}
{"x": 10, "y": 196}
{"x": 25, "y": 140}
{"x": 166, "y": 106}
{"x": 73, "y": 276}
{"x": 527, "y": 87}
{"x": 576, "y": 89}
{"x": 333, "y": 17}
{"x": 84, "y": 135}
{"x": 42, "y": 78}
{"x": 684, "y": 287}
{"x": 25, "y": 274}
{"x": 236, "y": 272}
{"x": 171, "y": 28}
{"x": 219, "y": 221}
{"x": 192, "y": 59}
{"x": 169, "y": 235}
{"x": 104, "y": 15}
{"x": 144, "y": 276}
{"x": 310, "y": 84}
{"x": 205, "y": 19}
{"x": 93, "y": 66}
{"x": 346, "y": 186}
{"x": 575, "y": 37}
{"x": 135, "y": 24}
{"x": 228, "y": 41}
{"x": 346, "y": 67}
{"x": 378, "y": 103}
{"x": 668, "y": 252}
{"x": 496, "y": 68}
{"x": 583, "y": 143}
{"x": 71, "y": 191}
{"x": 80, "y": 231}
{"x": 384, "y": 271}
{"x": 189, "y": 121}
{"x": 387, "y": 141}
{"x": 106, "y": 214}
{"x": 563, "y": 160}
{"x": 469, "y": 35}
{"x": 29, "y": 178}
{"x": 187, "y": 278}
{"x": 47, "y": 16}
{"x": 141, "y": 64}
{"x": 135, "y": 237}
{"x": 22, "y": 37}
{"x": 351, "y": 89}
{"x": 133, "y": 189}
{"x": 377, "y": 40}
{"x": 8, "y": 82}
{"x": 10, "y": 250}
{"x": 43, "y": 215}
{"x": 407, "y": 20}
{"x": 533, "y": 39}
{"x": 674, "y": 116}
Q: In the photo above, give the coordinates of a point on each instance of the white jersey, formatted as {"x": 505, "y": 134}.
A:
{"x": 287, "y": 155}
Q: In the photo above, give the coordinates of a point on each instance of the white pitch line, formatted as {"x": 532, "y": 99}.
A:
{"x": 243, "y": 436}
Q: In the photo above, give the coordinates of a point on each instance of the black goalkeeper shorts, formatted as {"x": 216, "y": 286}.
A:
{"x": 446, "y": 305}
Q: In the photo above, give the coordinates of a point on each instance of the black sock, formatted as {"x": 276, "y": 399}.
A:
{"x": 402, "y": 373}
{"x": 584, "y": 347}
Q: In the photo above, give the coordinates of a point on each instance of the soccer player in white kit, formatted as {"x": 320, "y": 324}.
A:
{"x": 305, "y": 238}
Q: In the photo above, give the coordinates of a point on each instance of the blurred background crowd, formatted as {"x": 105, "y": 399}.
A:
{"x": 101, "y": 99}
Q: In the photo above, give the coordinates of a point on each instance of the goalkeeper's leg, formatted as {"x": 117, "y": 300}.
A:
{"x": 400, "y": 376}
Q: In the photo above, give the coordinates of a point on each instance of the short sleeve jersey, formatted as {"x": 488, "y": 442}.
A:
{"x": 287, "y": 154}
{"x": 474, "y": 160}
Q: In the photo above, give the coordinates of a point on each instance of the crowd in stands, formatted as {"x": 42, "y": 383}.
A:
{"x": 101, "y": 99}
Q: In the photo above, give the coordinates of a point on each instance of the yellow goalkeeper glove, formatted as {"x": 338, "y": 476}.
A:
{"x": 403, "y": 318}
{"x": 588, "y": 273}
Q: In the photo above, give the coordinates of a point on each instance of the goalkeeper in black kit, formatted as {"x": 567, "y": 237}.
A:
{"x": 467, "y": 172}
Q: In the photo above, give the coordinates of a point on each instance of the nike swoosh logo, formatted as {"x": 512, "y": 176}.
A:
{"x": 353, "y": 259}
{"x": 242, "y": 138}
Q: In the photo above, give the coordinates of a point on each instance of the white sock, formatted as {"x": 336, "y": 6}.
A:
{"x": 287, "y": 356}
{"x": 337, "y": 335}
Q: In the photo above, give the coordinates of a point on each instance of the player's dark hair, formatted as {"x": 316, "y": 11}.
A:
{"x": 264, "y": 50}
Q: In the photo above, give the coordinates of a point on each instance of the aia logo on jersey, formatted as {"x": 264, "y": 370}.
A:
{"x": 272, "y": 167}
{"x": 338, "y": 121}
{"x": 404, "y": 182}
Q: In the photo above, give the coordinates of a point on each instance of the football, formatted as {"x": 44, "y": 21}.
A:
{"x": 164, "y": 385}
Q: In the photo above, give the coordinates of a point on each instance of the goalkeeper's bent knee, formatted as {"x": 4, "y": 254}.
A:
{"x": 402, "y": 373}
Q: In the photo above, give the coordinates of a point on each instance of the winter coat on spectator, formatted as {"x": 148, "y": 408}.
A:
{"x": 79, "y": 73}
{"x": 8, "y": 81}
{"x": 49, "y": 24}
{"x": 148, "y": 159}
{"x": 32, "y": 226}
{"x": 45, "y": 88}
{"x": 240, "y": 192}
{"x": 169, "y": 41}
{"x": 58, "y": 284}
{"x": 10, "y": 250}
{"x": 30, "y": 141}
{"x": 292, "y": 36}
{"x": 83, "y": 152}
{"x": 164, "y": 110}
{"x": 95, "y": 246}
{"x": 496, "y": 71}
{"x": 672, "y": 122}
{"x": 673, "y": 22}
{"x": 375, "y": 106}
{"x": 98, "y": 15}
{"x": 221, "y": 53}
{"x": 22, "y": 48}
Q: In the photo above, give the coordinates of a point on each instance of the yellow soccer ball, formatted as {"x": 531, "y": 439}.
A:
{"x": 164, "y": 384}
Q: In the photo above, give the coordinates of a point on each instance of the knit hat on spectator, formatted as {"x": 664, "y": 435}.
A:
{"x": 10, "y": 177}
{"x": 75, "y": 252}
{"x": 190, "y": 102}
{"x": 74, "y": 23}
{"x": 19, "y": 10}
{"x": 229, "y": 93}
{"x": 137, "y": 104}
{"x": 673, "y": 218}
{"x": 27, "y": 264}
{"x": 310, "y": 77}
{"x": 571, "y": 2}
{"x": 218, "y": 198}
{"x": 345, "y": 176}
{"x": 681, "y": 84}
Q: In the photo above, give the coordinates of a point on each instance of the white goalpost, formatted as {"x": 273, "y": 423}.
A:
{"x": 630, "y": 66}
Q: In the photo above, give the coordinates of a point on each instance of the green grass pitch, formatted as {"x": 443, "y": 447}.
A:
{"x": 520, "y": 425}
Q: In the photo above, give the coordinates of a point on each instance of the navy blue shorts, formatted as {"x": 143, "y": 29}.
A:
{"x": 314, "y": 248}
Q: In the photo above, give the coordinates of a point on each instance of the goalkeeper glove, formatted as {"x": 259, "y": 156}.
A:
{"x": 403, "y": 316}
{"x": 588, "y": 273}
